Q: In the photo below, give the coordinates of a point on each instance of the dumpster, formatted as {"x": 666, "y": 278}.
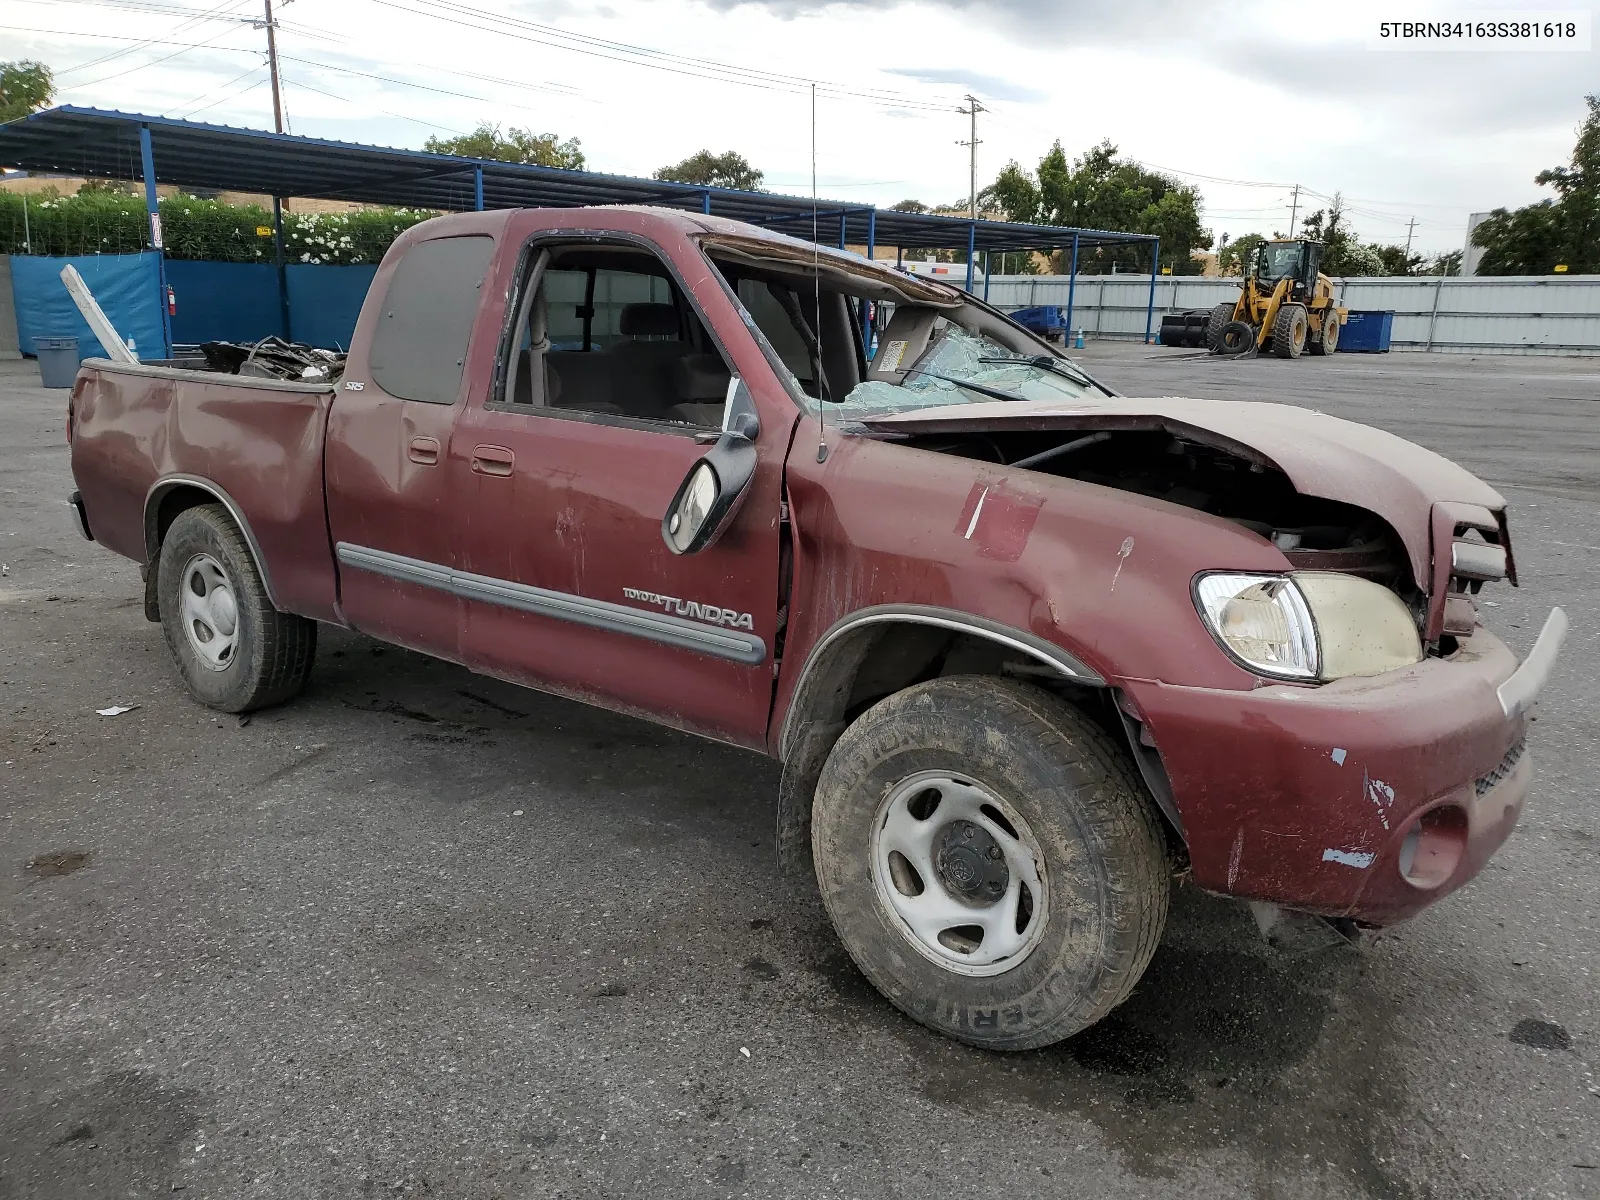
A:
{"x": 58, "y": 360}
{"x": 1049, "y": 321}
{"x": 1367, "y": 332}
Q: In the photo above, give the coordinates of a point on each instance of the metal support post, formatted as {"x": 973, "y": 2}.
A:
{"x": 972, "y": 251}
{"x": 283, "y": 270}
{"x": 1155, "y": 270}
{"x": 1072, "y": 286}
{"x": 477, "y": 189}
{"x": 153, "y": 209}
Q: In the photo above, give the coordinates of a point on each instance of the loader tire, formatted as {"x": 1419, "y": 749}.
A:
{"x": 969, "y": 808}
{"x": 1289, "y": 331}
{"x": 1328, "y": 341}
{"x": 1237, "y": 337}
{"x": 1220, "y": 316}
{"x": 233, "y": 650}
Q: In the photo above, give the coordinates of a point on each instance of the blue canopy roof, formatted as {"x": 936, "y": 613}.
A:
{"x": 193, "y": 154}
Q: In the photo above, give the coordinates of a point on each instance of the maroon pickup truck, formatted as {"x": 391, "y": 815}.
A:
{"x": 1026, "y": 648}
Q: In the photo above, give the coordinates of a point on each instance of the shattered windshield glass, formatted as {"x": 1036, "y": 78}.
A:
{"x": 962, "y": 367}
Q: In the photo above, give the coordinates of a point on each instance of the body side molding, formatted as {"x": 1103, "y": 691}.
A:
{"x": 562, "y": 606}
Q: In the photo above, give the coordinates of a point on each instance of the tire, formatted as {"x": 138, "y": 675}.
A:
{"x": 266, "y": 657}
{"x": 1289, "y": 331}
{"x": 1237, "y": 337}
{"x": 1068, "y": 796}
{"x": 1328, "y": 341}
{"x": 1220, "y": 316}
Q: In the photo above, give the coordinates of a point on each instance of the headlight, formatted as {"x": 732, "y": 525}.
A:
{"x": 1308, "y": 625}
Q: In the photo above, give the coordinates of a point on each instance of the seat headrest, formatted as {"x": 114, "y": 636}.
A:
{"x": 648, "y": 320}
{"x": 700, "y": 377}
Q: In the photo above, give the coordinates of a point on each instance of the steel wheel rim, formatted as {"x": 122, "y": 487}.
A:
{"x": 209, "y": 612}
{"x": 940, "y": 918}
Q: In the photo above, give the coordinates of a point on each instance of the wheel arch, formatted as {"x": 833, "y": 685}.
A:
{"x": 875, "y": 652}
{"x": 173, "y": 495}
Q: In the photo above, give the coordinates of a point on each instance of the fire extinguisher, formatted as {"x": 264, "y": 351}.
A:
{"x": 172, "y": 302}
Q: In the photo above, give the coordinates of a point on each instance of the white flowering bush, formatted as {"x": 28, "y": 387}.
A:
{"x": 110, "y": 220}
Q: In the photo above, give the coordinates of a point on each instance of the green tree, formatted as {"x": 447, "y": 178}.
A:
{"x": 909, "y": 206}
{"x": 1534, "y": 239}
{"x": 1448, "y": 263}
{"x": 1396, "y": 260}
{"x": 705, "y": 169}
{"x": 514, "y": 146}
{"x": 1235, "y": 258}
{"x": 25, "y": 87}
{"x": 1098, "y": 190}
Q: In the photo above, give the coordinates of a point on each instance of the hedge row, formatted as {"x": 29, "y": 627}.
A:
{"x": 106, "y": 221}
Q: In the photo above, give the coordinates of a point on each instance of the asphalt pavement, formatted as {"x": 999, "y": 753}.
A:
{"x": 419, "y": 933}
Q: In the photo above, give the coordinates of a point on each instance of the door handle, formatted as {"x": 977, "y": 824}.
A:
{"x": 492, "y": 460}
{"x": 424, "y": 450}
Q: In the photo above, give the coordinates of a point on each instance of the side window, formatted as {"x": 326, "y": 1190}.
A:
{"x": 778, "y": 328}
{"x": 607, "y": 331}
{"x": 421, "y": 341}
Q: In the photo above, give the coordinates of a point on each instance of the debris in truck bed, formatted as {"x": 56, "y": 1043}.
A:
{"x": 274, "y": 358}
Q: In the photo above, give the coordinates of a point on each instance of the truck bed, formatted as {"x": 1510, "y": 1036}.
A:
{"x": 147, "y": 439}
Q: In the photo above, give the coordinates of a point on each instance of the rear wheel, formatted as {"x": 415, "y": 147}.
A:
{"x": 1220, "y": 316}
{"x": 989, "y": 861}
{"x": 1289, "y": 331}
{"x": 233, "y": 650}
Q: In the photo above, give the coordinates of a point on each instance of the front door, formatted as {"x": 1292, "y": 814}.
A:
{"x": 612, "y": 386}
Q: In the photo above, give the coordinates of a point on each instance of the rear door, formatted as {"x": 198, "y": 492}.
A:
{"x": 395, "y": 530}
{"x": 612, "y": 383}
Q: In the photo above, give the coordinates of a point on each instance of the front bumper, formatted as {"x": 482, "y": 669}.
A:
{"x": 1304, "y": 797}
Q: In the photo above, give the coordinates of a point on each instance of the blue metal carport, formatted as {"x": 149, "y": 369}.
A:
{"x": 116, "y": 145}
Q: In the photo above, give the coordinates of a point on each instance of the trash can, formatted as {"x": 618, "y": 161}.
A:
{"x": 58, "y": 360}
{"x": 1367, "y": 332}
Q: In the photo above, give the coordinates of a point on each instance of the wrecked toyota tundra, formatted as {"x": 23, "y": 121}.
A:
{"x": 1026, "y": 648}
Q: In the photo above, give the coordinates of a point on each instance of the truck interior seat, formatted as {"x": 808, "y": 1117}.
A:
{"x": 641, "y": 362}
{"x": 701, "y": 384}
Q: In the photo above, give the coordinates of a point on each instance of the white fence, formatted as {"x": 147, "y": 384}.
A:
{"x": 1481, "y": 315}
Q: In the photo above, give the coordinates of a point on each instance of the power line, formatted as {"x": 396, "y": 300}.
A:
{"x": 140, "y": 44}
{"x": 153, "y": 62}
{"x": 620, "y": 52}
{"x": 223, "y": 99}
{"x": 398, "y": 116}
{"x": 552, "y": 89}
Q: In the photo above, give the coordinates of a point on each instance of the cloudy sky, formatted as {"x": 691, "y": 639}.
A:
{"x": 1241, "y": 98}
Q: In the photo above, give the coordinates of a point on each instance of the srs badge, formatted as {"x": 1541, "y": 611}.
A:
{"x": 692, "y": 609}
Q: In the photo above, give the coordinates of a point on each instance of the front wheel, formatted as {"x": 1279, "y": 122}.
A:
{"x": 234, "y": 651}
{"x": 989, "y": 860}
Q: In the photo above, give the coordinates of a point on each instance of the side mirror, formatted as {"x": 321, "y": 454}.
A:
{"x": 711, "y": 493}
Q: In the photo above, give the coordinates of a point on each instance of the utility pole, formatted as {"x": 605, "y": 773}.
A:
{"x": 277, "y": 201}
{"x": 972, "y": 110}
{"x": 1294, "y": 206}
{"x": 1410, "y": 226}
{"x": 272, "y": 62}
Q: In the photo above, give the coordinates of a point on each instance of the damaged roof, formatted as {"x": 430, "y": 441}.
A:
{"x": 193, "y": 154}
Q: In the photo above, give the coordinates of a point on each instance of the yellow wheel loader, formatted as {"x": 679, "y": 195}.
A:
{"x": 1286, "y": 306}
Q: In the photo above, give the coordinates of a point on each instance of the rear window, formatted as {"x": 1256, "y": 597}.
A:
{"x": 421, "y": 341}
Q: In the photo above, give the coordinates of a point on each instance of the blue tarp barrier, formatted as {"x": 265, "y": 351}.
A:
{"x": 325, "y": 301}
{"x": 126, "y": 286}
{"x": 232, "y": 302}
{"x": 224, "y": 302}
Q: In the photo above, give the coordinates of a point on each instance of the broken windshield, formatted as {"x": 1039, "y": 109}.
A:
{"x": 962, "y": 367}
